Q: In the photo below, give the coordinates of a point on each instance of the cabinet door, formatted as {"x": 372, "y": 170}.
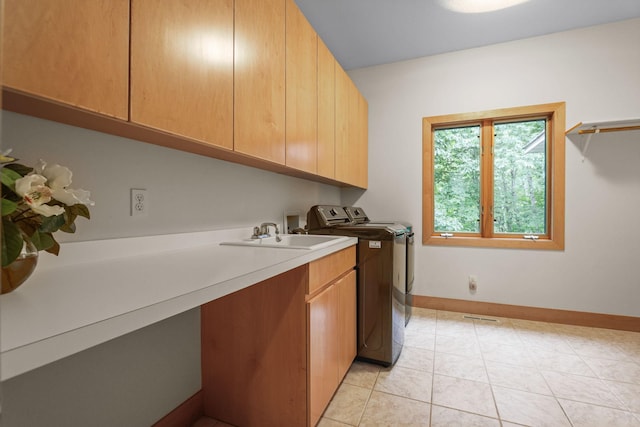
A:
{"x": 259, "y": 79}
{"x": 326, "y": 111}
{"x": 182, "y": 68}
{"x": 72, "y": 51}
{"x": 323, "y": 350}
{"x": 351, "y": 132}
{"x": 301, "y": 91}
{"x": 362, "y": 141}
{"x": 344, "y": 149}
{"x": 254, "y": 359}
{"x": 347, "y": 318}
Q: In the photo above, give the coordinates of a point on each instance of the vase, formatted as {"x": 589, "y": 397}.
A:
{"x": 15, "y": 274}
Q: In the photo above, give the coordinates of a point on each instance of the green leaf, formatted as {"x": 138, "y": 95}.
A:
{"x": 11, "y": 242}
{"x": 68, "y": 228}
{"x": 20, "y": 169}
{"x": 9, "y": 177}
{"x": 51, "y": 224}
{"x": 55, "y": 248}
{"x": 80, "y": 210}
{"x": 43, "y": 241}
{"x": 8, "y": 207}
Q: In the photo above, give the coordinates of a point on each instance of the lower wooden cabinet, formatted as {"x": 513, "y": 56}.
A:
{"x": 347, "y": 323}
{"x": 273, "y": 354}
{"x": 254, "y": 358}
{"x": 332, "y": 341}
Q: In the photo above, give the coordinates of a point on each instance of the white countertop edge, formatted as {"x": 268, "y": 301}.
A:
{"x": 25, "y": 358}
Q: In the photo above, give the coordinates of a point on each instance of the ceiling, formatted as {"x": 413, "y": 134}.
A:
{"x": 362, "y": 33}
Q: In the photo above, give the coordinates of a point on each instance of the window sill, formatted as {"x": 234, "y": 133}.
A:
{"x": 484, "y": 242}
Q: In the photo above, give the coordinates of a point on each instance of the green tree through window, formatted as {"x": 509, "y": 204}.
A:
{"x": 519, "y": 177}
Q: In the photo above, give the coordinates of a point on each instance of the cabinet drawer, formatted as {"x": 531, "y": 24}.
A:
{"x": 328, "y": 268}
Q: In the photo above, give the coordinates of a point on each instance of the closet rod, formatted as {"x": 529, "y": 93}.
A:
{"x": 614, "y": 129}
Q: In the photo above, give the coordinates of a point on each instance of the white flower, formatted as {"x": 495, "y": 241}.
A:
{"x": 35, "y": 194}
{"x": 58, "y": 179}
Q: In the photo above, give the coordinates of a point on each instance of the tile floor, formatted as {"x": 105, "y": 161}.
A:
{"x": 458, "y": 371}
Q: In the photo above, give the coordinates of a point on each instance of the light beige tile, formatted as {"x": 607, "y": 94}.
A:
{"x": 421, "y": 322}
{"x": 405, "y": 382}
{"x": 548, "y": 342}
{"x": 598, "y": 348}
{"x": 453, "y": 315}
{"x": 629, "y": 394}
{"x": 456, "y": 328}
{"x": 616, "y": 370}
{"x": 447, "y": 417}
{"x": 561, "y": 362}
{"x": 517, "y": 377}
{"x": 516, "y": 355}
{"x": 630, "y": 349}
{"x": 362, "y": 374}
{"x": 417, "y": 338}
{"x": 326, "y": 422}
{"x": 416, "y": 358}
{"x": 463, "y": 346}
{"x": 501, "y": 332}
{"x": 582, "y": 389}
{"x": 420, "y": 312}
{"x": 389, "y": 410}
{"x": 465, "y": 395}
{"x": 348, "y": 404}
{"x": 586, "y": 415}
{"x": 529, "y": 408}
{"x": 466, "y": 367}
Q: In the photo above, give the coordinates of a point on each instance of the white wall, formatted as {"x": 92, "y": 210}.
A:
{"x": 597, "y": 72}
{"x": 138, "y": 378}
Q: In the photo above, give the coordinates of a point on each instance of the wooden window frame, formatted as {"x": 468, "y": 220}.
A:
{"x": 556, "y": 123}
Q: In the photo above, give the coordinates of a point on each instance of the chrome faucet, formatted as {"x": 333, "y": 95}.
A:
{"x": 263, "y": 231}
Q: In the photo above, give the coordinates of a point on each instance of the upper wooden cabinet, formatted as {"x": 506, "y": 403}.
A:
{"x": 247, "y": 81}
{"x": 301, "y": 91}
{"x": 351, "y": 132}
{"x": 182, "y": 68}
{"x": 361, "y": 155}
{"x": 74, "y": 52}
{"x": 259, "y": 79}
{"x": 326, "y": 111}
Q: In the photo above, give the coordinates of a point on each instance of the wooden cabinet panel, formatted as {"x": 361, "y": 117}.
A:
{"x": 343, "y": 171}
{"x": 326, "y": 111}
{"x": 182, "y": 68}
{"x": 346, "y": 326}
{"x": 254, "y": 359}
{"x": 71, "y": 51}
{"x": 361, "y": 157}
{"x": 351, "y": 132}
{"x": 259, "y": 79}
{"x": 323, "y": 351}
{"x": 301, "y": 91}
{"x": 331, "y": 318}
{"x": 328, "y": 268}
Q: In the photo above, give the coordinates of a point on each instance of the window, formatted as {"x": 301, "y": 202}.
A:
{"x": 495, "y": 178}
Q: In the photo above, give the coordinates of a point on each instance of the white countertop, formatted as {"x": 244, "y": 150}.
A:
{"x": 99, "y": 290}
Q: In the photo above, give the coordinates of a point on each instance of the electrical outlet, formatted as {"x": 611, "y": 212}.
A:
{"x": 139, "y": 202}
{"x": 473, "y": 283}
